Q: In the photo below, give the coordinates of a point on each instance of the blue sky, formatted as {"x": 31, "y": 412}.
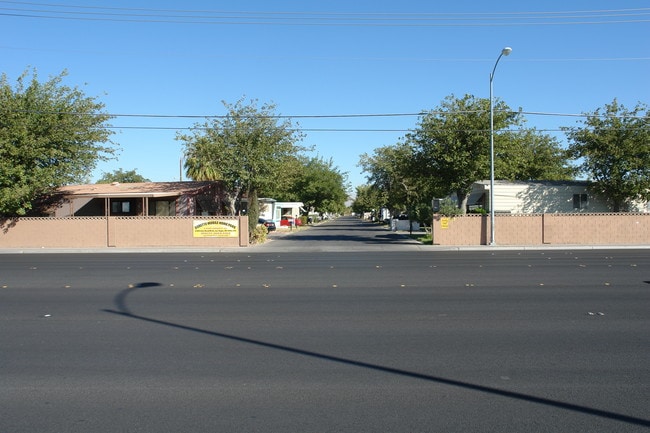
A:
{"x": 331, "y": 58}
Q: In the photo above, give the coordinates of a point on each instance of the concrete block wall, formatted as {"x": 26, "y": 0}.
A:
{"x": 120, "y": 232}
{"x": 544, "y": 229}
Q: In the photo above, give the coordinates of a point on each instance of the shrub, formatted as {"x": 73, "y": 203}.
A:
{"x": 478, "y": 210}
{"x": 258, "y": 236}
{"x": 448, "y": 208}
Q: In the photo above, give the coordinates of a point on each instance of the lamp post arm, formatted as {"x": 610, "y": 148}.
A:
{"x": 495, "y": 67}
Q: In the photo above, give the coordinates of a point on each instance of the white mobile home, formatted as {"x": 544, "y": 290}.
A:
{"x": 536, "y": 197}
{"x": 274, "y": 210}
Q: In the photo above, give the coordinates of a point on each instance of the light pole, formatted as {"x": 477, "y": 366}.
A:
{"x": 504, "y": 52}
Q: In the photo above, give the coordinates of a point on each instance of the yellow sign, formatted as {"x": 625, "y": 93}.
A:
{"x": 215, "y": 228}
{"x": 444, "y": 223}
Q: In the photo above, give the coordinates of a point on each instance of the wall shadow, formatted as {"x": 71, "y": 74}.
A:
{"x": 122, "y": 309}
{"x": 7, "y": 223}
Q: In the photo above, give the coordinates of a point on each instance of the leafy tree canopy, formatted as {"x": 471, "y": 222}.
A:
{"x": 246, "y": 149}
{"x": 50, "y": 135}
{"x": 449, "y": 150}
{"x": 321, "y": 186}
{"x": 453, "y": 142}
{"x": 368, "y": 199}
{"x": 452, "y": 147}
{"x": 527, "y": 154}
{"x": 613, "y": 150}
{"x": 392, "y": 172}
{"x": 122, "y": 176}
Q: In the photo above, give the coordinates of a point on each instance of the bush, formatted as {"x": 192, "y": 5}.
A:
{"x": 258, "y": 236}
{"x": 478, "y": 210}
{"x": 448, "y": 208}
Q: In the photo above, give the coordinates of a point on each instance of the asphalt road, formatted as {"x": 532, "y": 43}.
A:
{"x": 340, "y": 235}
{"x": 326, "y": 341}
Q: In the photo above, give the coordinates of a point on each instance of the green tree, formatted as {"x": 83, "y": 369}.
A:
{"x": 453, "y": 142}
{"x": 528, "y": 154}
{"x": 613, "y": 150}
{"x": 391, "y": 171}
{"x": 284, "y": 188}
{"x": 122, "y": 176}
{"x": 50, "y": 135}
{"x": 321, "y": 186}
{"x": 452, "y": 146}
{"x": 402, "y": 183}
{"x": 368, "y": 199}
{"x": 246, "y": 149}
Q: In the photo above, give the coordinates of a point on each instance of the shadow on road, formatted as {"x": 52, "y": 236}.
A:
{"x": 122, "y": 309}
{"x": 344, "y": 232}
{"x": 388, "y": 238}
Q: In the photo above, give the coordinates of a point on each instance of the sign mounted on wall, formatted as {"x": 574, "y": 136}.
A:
{"x": 215, "y": 228}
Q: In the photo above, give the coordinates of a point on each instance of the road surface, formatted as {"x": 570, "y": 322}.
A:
{"x": 312, "y": 340}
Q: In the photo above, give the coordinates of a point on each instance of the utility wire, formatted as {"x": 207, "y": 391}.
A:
{"x": 184, "y": 11}
{"x": 114, "y": 14}
{"x": 198, "y": 127}
{"x": 167, "y": 54}
{"x": 327, "y": 116}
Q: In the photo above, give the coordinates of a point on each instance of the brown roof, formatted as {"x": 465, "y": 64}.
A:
{"x": 143, "y": 189}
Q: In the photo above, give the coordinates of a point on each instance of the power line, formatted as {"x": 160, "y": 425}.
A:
{"x": 195, "y": 128}
{"x": 326, "y": 116}
{"x": 167, "y": 54}
{"x": 349, "y": 24}
{"x": 180, "y": 16}
{"x": 183, "y": 11}
{"x": 198, "y": 127}
{"x": 299, "y": 116}
{"x": 225, "y": 116}
{"x": 349, "y": 130}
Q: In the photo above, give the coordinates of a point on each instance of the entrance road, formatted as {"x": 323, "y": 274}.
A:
{"x": 342, "y": 234}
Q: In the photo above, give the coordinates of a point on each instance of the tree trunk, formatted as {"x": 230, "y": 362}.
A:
{"x": 230, "y": 200}
{"x": 462, "y": 201}
{"x": 253, "y": 210}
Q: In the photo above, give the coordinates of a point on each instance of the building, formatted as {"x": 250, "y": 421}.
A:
{"x": 279, "y": 211}
{"x": 139, "y": 199}
{"x": 520, "y": 197}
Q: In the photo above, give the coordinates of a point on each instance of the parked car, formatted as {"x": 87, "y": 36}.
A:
{"x": 270, "y": 225}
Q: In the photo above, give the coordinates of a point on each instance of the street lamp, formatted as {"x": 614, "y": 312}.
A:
{"x": 504, "y": 52}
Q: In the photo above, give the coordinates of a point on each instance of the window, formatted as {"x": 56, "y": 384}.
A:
{"x": 580, "y": 201}
{"x": 162, "y": 208}
{"x": 118, "y": 207}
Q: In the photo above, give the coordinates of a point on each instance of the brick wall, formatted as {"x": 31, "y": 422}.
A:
{"x": 120, "y": 232}
{"x": 539, "y": 229}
